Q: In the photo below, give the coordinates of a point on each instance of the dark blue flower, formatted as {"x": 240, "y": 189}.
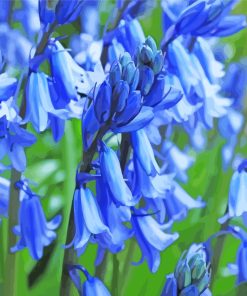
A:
{"x": 151, "y": 238}
{"x": 91, "y": 287}
{"x": 113, "y": 178}
{"x": 34, "y": 231}
{"x": 87, "y": 217}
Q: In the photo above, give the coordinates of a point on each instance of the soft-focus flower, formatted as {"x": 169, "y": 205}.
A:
{"x": 34, "y": 231}
{"x": 4, "y": 196}
{"x": 237, "y": 205}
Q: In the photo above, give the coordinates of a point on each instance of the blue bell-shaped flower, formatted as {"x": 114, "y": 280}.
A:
{"x": 151, "y": 238}
{"x": 113, "y": 178}
{"x": 88, "y": 220}
{"x": 4, "y": 194}
{"x": 34, "y": 231}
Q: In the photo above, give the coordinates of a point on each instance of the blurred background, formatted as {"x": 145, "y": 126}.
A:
{"x": 52, "y": 168}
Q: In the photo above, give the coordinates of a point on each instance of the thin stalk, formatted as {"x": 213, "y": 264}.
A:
{"x": 10, "y": 271}
{"x": 217, "y": 252}
{"x": 127, "y": 260}
{"x": 10, "y": 262}
{"x": 101, "y": 268}
{"x": 115, "y": 276}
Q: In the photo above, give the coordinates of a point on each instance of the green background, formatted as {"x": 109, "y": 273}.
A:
{"x": 52, "y": 166}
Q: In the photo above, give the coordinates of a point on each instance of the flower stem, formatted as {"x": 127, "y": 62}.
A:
{"x": 10, "y": 271}
{"x": 115, "y": 276}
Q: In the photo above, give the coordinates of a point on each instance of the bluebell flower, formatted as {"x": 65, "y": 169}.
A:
{"x": 63, "y": 12}
{"x": 29, "y": 17}
{"x": 7, "y": 87}
{"x": 151, "y": 238}
{"x": 34, "y": 231}
{"x": 13, "y": 138}
{"x": 4, "y": 194}
{"x": 148, "y": 186}
{"x": 91, "y": 287}
{"x": 237, "y": 205}
{"x": 192, "y": 274}
{"x": 144, "y": 152}
{"x": 208, "y": 18}
{"x": 126, "y": 37}
{"x": 112, "y": 175}
{"x": 14, "y": 46}
{"x": 114, "y": 217}
{"x": 240, "y": 267}
{"x": 174, "y": 204}
{"x": 86, "y": 207}
{"x": 175, "y": 161}
{"x": 230, "y": 126}
{"x": 68, "y": 77}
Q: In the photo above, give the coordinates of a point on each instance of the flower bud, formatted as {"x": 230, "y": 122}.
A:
{"x": 125, "y": 59}
{"x": 120, "y": 96}
{"x": 151, "y": 43}
{"x": 115, "y": 73}
{"x": 146, "y": 79}
{"x": 146, "y": 55}
{"x": 158, "y": 62}
{"x": 129, "y": 72}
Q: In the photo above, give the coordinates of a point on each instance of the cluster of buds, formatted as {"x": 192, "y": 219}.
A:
{"x": 193, "y": 271}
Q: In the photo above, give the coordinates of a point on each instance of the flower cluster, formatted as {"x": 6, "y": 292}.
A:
{"x": 130, "y": 96}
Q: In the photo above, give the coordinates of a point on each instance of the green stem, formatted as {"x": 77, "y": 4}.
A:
{"x": 10, "y": 271}
{"x": 242, "y": 289}
{"x": 127, "y": 260}
{"x": 101, "y": 268}
{"x": 115, "y": 276}
{"x": 217, "y": 252}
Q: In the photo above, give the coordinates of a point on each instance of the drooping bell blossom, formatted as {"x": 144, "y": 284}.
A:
{"x": 213, "y": 69}
{"x": 204, "y": 18}
{"x": 192, "y": 274}
{"x": 4, "y": 197}
{"x": 148, "y": 186}
{"x": 237, "y": 205}
{"x": 12, "y": 141}
{"x": 113, "y": 217}
{"x": 174, "y": 204}
{"x": 7, "y": 87}
{"x": 229, "y": 127}
{"x": 235, "y": 82}
{"x": 175, "y": 161}
{"x": 29, "y": 17}
{"x": 68, "y": 77}
{"x": 14, "y": 46}
{"x": 144, "y": 152}
{"x": 126, "y": 37}
{"x": 91, "y": 287}
{"x": 113, "y": 178}
{"x": 63, "y": 12}
{"x": 88, "y": 218}
{"x": 13, "y": 138}
{"x": 151, "y": 238}
{"x": 34, "y": 231}
{"x": 240, "y": 267}
{"x": 196, "y": 85}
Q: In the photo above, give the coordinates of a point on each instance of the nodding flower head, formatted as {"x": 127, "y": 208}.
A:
{"x": 34, "y": 231}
